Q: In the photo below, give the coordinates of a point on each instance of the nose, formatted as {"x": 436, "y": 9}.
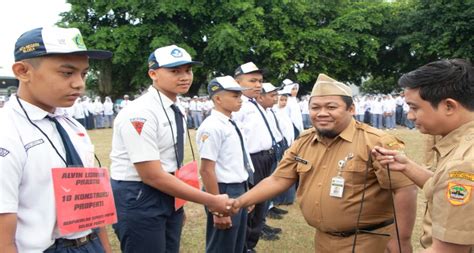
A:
{"x": 79, "y": 82}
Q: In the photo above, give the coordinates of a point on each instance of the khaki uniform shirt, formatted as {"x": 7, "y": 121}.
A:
{"x": 316, "y": 163}
{"x": 450, "y": 215}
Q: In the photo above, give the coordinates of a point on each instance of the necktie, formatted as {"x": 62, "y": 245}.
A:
{"x": 72, "y": 157}
{"x": 178, "y": 117}
{"x": 244, "y": 152}
{"x": 276, "y": 122}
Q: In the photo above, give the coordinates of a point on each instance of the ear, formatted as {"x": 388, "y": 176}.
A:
{"x": 450, "y": 106}
{"x": 152, "y": 74}
{"x": 22, "y": 71}
{"x": 352, "y": 109}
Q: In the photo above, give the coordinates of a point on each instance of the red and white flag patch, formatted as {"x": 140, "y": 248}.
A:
{"x": 138, "y": 124}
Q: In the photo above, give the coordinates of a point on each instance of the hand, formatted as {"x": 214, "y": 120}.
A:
{"x": 236, "y": 207}
{"x": 396, "y": 160}
{"x": 222, "y": 222}
{"x": 221, "y": 205}
{"x": 250, "y": 208}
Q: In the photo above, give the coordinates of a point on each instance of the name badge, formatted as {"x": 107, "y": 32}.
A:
{"x": 337, "y": 187}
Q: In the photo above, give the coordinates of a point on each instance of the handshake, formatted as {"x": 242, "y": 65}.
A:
{"x": 221, "y": 205}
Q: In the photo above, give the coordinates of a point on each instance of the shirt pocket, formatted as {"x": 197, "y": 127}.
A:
{"x": 355, "y": 172}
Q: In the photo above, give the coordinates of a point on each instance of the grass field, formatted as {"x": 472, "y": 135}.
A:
{"x": 297, "y": 236}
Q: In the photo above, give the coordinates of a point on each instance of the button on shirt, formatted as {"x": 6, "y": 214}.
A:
{"x": 449, "y": 191}
{"x": 253, "y": 126}
{"x": 26, "y": 160}
{"x": 142, "y": 132}
{"x": 218, "y": 141}
{"x": 328, "y": 213}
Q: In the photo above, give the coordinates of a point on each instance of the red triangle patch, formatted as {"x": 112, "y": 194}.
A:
{"x": 138, "y": 124}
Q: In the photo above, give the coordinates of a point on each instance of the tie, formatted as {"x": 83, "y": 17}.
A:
{"x": 72, "y": 157}
{"x": 276, "y": 122}
{"x": 244, "y": 152}
{"x": 178, "y": 117}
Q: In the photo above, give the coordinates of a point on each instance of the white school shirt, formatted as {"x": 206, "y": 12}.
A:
{"x": 218, "y": 141}
{"x": 252, "y": 126}
{"x": 108, "y": 108}
{"x": 294, "y": 112}
{"x": 272, "y": 121}
{"x": 26, "y": 160}
{"x": 143, "y": 131}
{"x": 285, "y": 124}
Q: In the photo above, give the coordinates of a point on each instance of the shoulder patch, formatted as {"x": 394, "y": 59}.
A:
{"x": 462, "y": 175}
{"x": 458, "y": 194}
{"x": 392, "y": 142}
{"x": 138, "y": 124}
{"x": 204, "y": 136}
{"x": 4, "y": 152}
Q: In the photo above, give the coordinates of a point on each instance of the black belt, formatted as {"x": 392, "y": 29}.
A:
{"x": 78, "y": 242}
{"x": 265, "y": 152}
{"x": 361, "y": 230}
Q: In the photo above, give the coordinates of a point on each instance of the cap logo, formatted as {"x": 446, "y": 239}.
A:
{"x": 214, "y": 88}
{"x": 29, "y": 48}
{"x": 176, "y": 53}
{"x": 79, "y": 41}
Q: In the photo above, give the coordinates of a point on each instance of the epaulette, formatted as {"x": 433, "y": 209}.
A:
{"x": 369, "y": 129}
{"x": 307, "y": 132}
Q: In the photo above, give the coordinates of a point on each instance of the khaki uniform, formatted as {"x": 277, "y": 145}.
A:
{"x": 316, "y": 163}
{"x": 450, "y": 213}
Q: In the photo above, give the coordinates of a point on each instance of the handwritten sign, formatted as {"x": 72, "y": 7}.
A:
{"x": 188, "y": 174}
{"x": 84, "y": 199}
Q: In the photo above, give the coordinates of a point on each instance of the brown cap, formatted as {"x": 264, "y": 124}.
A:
{"x": 326, "y": 86}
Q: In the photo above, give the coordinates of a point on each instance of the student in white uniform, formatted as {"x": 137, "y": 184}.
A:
{"x": 225, "y": 164}
{"x": 39, "y": 137}
{"x": 293, "y": 109}
{"x": 285, "y": 121}
{"x": 147, "y": 148}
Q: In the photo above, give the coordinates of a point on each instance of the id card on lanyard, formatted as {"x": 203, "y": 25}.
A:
{"x": 83, "y": 199}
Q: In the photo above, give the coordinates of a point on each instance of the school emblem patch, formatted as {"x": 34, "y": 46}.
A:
{"x": 458, "y": 194}
{"x": 204, "y": 137}
{"x": 138, "y": 124}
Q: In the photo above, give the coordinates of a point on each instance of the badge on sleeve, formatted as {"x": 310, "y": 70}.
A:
{"x": 204, "y": 137}
{"x": 458, "y": 194}
{"x": 4, "y": 152}
{"x": 138, "y": 124}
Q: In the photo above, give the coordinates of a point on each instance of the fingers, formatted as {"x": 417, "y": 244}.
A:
{"x": 222, "y": 222}
{"x": 222, "y": 205}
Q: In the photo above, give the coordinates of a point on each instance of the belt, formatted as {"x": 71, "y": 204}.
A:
{"x": 361, "y": 230}
{"x": 69, "y": 243}
{"x": 265, "y": 152}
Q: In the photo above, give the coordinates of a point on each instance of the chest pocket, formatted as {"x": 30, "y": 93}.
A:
{"x": 355, "y": 172}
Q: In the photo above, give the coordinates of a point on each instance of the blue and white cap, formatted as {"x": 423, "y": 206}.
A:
{"x": 247, "y": 68}
{"x": 54, "y": 40}
{"x": 170, "y": 57}
{"x": 223, "y": 83}
{"x": 268, "y": 87}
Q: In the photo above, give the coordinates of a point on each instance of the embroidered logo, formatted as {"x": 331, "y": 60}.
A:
{"x": 458, "y": 194}
{"x": 4, "y": 152}
{"x": 204, "y": 137}
{"x": 138, "y": 124}
{"x": 33, "y": 143}
{"x": 462, "y": 175}
{"x": 176, "y": 53}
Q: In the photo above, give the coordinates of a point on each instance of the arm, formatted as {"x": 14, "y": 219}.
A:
{"x": 399, "y": 162}
{"x": 209, "y": 180}
{"x": 266, "y": 189}
{"x": 7, "y": 233}
{"x": 152, "y": 174}
{"x": 446, "y": 247}
{"x": 405, "y": 207}
{"x": 104, "y": 239}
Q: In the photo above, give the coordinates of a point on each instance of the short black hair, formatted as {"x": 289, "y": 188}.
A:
{"x": 441, "y": 80}
{"x": 348, "y": 101}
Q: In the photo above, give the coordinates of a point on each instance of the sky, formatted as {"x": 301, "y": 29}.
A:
{"x": 19, "y": 16}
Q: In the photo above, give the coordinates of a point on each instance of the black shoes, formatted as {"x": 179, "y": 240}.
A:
{"x": 271, "y": 230}
{"x": 278, "y": 210}
{"x": 251, "y": 251}
{"x": 273, "y": 215}
{"x": 268, "y": 236}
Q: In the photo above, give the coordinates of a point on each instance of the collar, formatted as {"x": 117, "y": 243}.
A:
{"x": 34, "y": 112}
{"x": 347, "y": 134}
{"x": 220, "y": 116}
{"x": 167, "y": 102}
{"x": 451, "y": 140}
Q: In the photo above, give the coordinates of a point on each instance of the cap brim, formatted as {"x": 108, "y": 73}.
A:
{"x": 180, "y": 63}
{"x": 236, "y": 89}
